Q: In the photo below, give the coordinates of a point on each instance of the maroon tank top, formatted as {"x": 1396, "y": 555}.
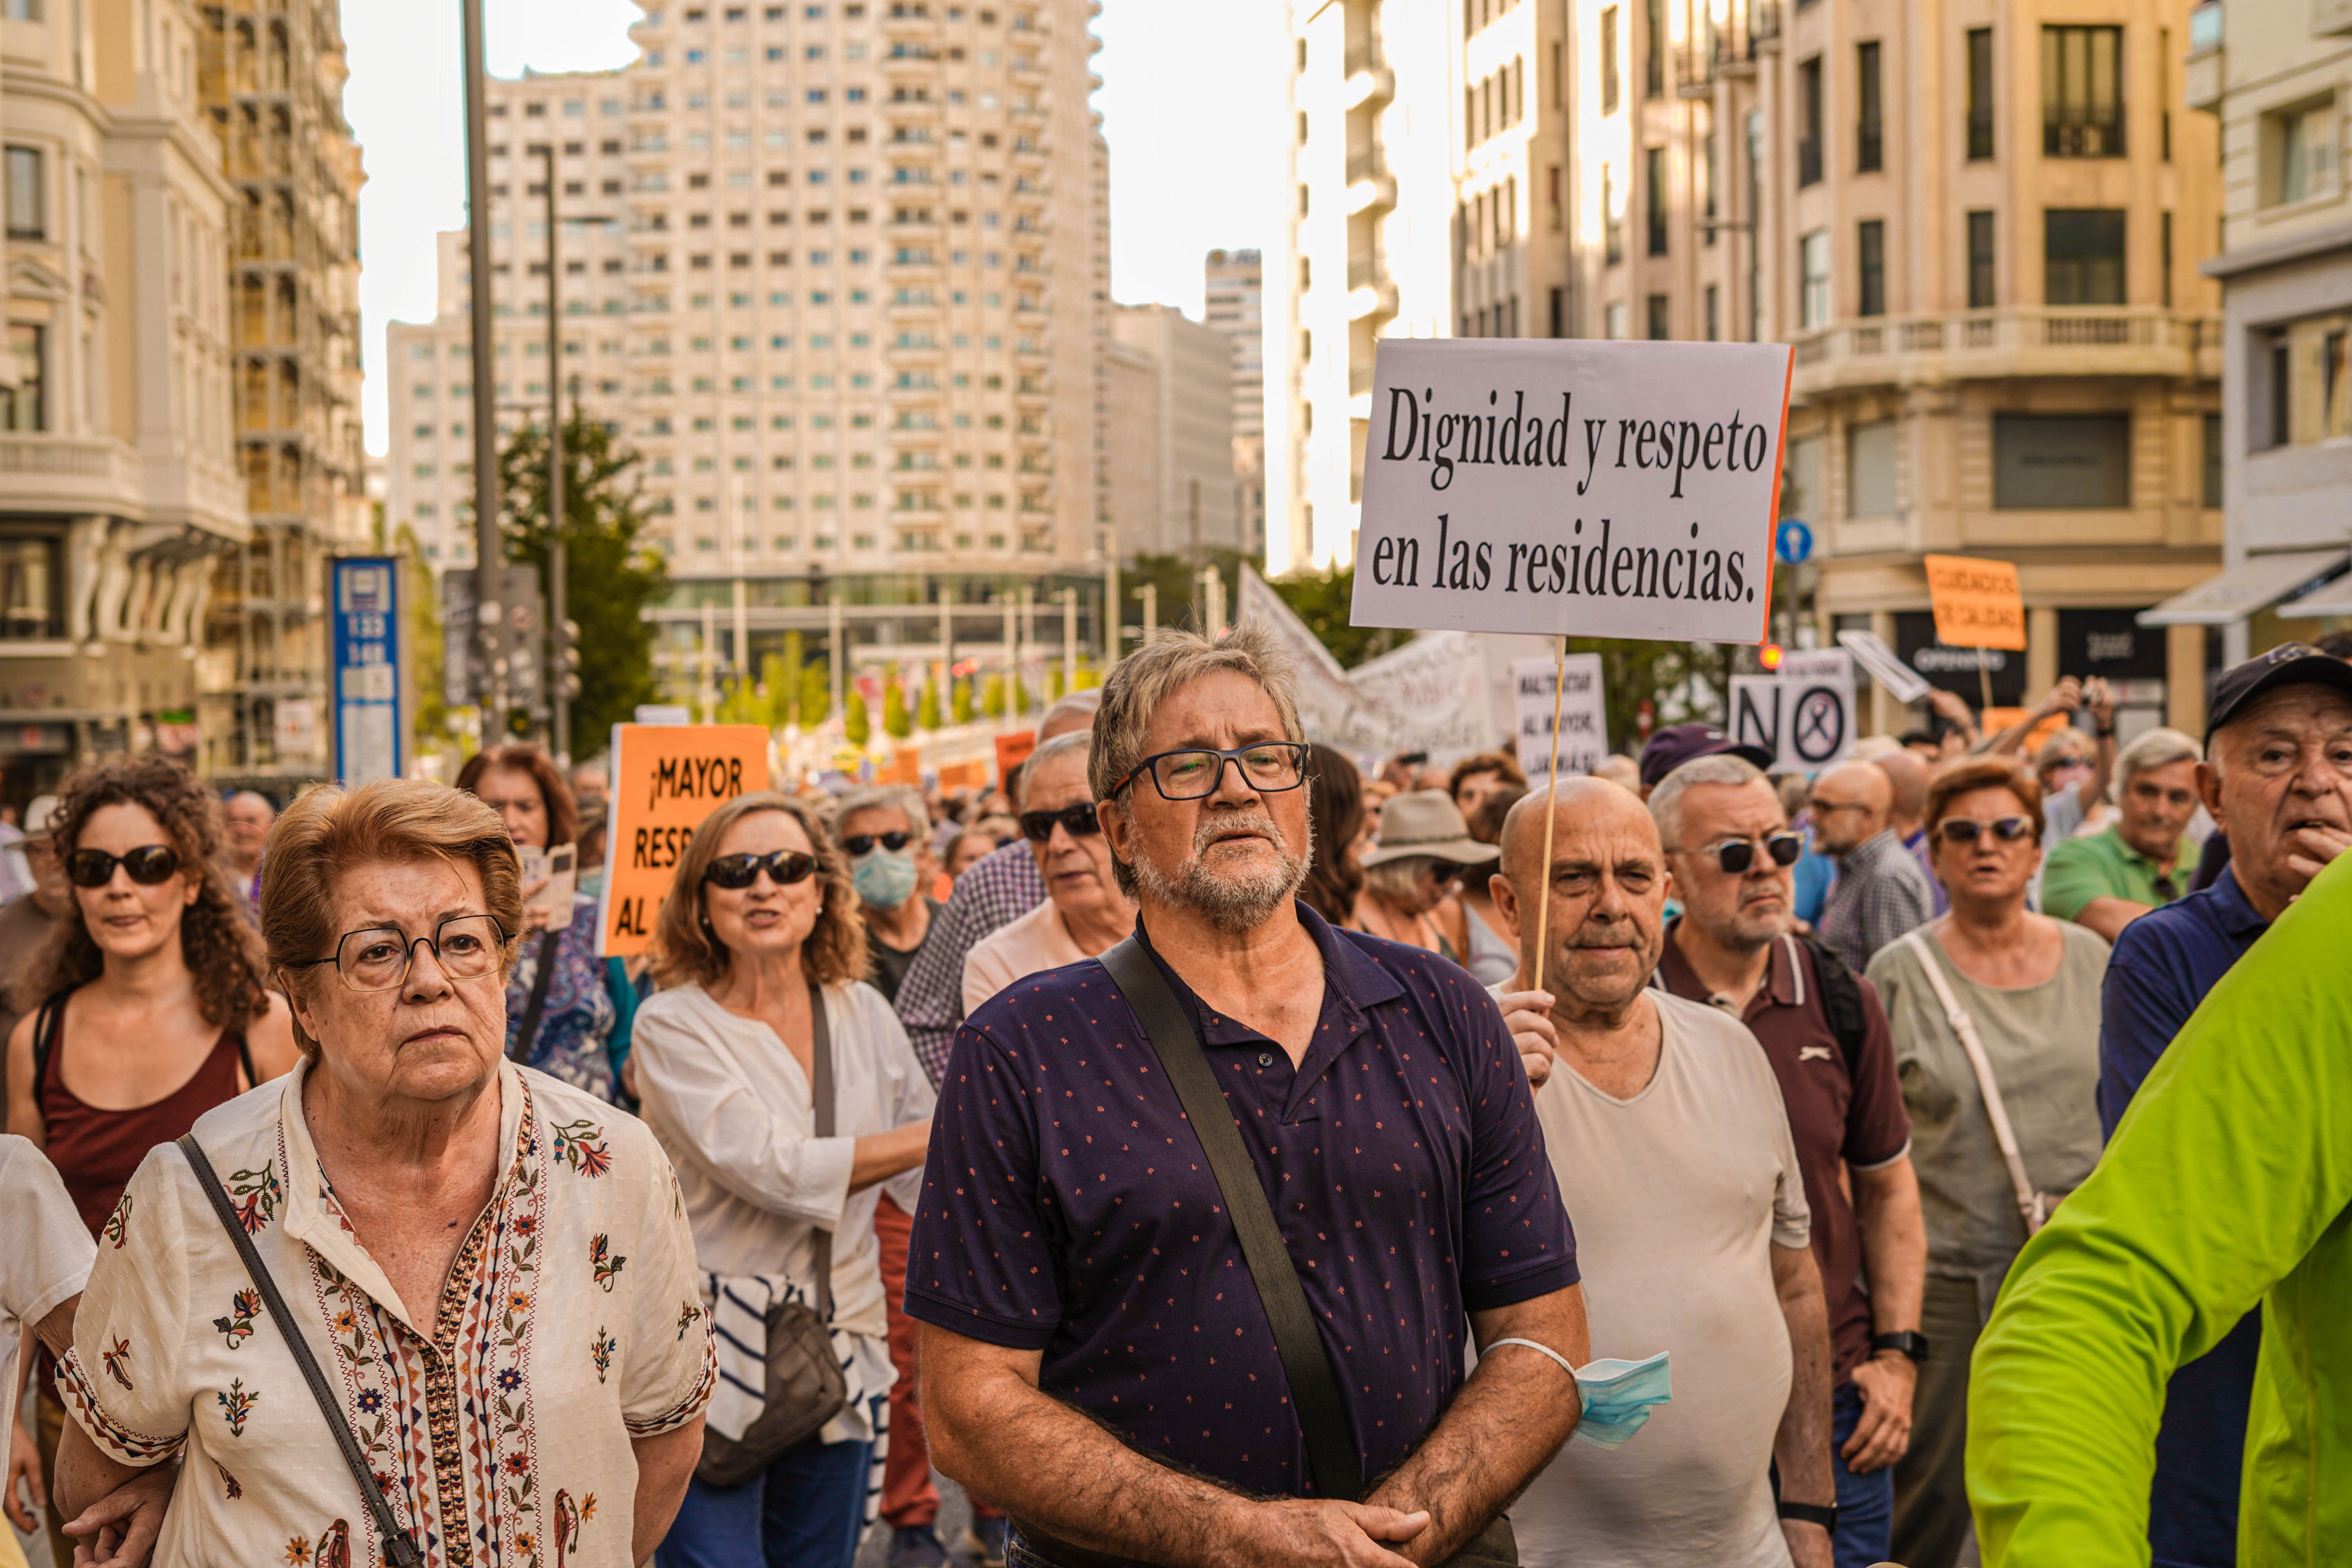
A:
{"x": 97, "y": 1151}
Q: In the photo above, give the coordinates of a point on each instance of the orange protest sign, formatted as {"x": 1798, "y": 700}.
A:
{"x": 905, "y": 767}
{"x": 1977, "y": 603}
{"x": 963, "y": 775}
{"x": 666, "y": 779}
{"x": 1013, "y": 750}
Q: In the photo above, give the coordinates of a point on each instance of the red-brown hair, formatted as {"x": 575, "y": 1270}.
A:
{"x": 1982, "y": 773}
{"x": 554, "y": 794}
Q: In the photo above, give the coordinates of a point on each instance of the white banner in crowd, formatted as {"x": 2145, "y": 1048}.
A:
{"x": 1901, "y": 682}
{"x": 1583, "y": 714}
{"x": 1804, "y": 715}
{"x": 1427, "y": 696}
{"x": 1559, "y": 486}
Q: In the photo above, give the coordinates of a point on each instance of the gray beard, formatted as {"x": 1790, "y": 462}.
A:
{"x": 1235, "y": 904}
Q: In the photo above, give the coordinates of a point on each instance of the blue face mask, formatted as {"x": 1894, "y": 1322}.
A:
{"x": 883, "y": 880}
{"x": 1618, "y": 1395}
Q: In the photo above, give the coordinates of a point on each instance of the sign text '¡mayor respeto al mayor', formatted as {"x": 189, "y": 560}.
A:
{"x": 1615, "y": 489}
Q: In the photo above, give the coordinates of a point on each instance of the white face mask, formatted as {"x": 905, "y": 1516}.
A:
{"x": 883, "y": 880}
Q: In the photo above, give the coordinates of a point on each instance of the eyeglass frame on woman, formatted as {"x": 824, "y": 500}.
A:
{"x": 1078, "y": 817}
{"x": 170, "y": 865}
{"x": 775, "y": 863}
{"x": 2021, "y": 828}
{"x": 407, "y": 953}
{"x": 1722, "y": 849}
{"x": 1297, "y": 749}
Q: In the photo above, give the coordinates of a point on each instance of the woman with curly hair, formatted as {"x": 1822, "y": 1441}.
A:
{"x": 759, "y": 943}
{"x": 152, "y": 980}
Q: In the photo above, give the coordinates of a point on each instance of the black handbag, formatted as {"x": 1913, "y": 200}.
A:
{"x": 1331, "y": 1453}
{"x": 806, "y": 1385}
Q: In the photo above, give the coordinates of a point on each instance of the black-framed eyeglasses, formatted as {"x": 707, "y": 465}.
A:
{"x": 148, "y": 865}
{"x": 1963, "y": 831}
{"x": 736, "y": 872}
{"x": 1736, "y": 854}
{"x": 377, "y": 958}
{"x": 1037, "y": 826}
{"x": 1194, "y": 773}
{"x": 861, "y": 844}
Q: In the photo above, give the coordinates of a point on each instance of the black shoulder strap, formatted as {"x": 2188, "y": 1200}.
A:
{"x": 244, "y": 1059}
{"x": 48, "y": 1027}
{"x": 821, "y": 1101}
{"x": 528, "y": 1035}
{"x": 1331, "y": 1452}
{"x": 399, "y": 1549}
{"x": 1840, "y": 1004}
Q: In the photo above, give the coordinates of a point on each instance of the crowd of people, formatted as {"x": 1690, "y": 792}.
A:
{"x": 883, "y": 1159}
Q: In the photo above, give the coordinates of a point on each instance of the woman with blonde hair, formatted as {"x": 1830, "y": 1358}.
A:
{"x": 760, "y": 953}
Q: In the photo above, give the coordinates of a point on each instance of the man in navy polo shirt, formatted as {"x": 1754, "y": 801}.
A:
{"x": 2277, "y": 776}
{"x": 1095, "y": 1355}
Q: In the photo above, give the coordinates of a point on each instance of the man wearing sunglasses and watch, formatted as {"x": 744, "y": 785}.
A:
{"x": 1729, "y": 848}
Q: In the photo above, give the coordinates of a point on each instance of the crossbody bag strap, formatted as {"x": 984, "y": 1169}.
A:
{"x": 2029, "y": 1202}
{"x": 820, "y": 1101}
{"x": 1331, "y": 1453}
{"x": 528, "y": 1035}
{"x": 399, "y": 1548}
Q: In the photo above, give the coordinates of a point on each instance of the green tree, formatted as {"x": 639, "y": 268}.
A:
{"x": 1322, "y": 599}
{"x": 992, "y": 697}
{"x": 959, "y": 703}
{"x": 926, "y": 712}
{"x": 855, "y": 724}
{"x": 436, "y": 729}
{"x": 610, "y": 575}
{"x": 896, "y": 722}
{"x": 816, "y": 695}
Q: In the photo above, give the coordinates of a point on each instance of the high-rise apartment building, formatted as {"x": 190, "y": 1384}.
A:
{"x": 271, "y": 78}
{"x": 1234, "y": 306}
{"x": 1182, "y": 432}
{"x": 840, "y": 274}
{"x": 2278, "y": 78}
{"x": 119, "y": 483}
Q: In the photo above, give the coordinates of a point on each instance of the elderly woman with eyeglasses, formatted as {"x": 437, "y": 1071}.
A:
{"x": 762, "y": 957}
{"x": 492, "y": 1268}
{"x": 2028, "y": 986}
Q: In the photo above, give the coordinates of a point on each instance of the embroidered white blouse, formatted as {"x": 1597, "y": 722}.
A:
{"x": 729, "y": 1102}
{"x": 500, "y": 1430}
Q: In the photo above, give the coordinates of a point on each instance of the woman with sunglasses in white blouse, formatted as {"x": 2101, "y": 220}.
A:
{"x": 760, "y": 929}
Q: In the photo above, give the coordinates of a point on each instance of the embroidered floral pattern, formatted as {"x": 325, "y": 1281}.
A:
{"x": 228, "y": 1482}
{"x": 297, "y": 1550}
{"x": 581, "y": 1145}
{"x": 567, "y": 1520}
{"x": 605, "y": 1261}
{"x": 237, "y": 1404}
{"x": 688, "y": 1312}
{"x": 600, "y": 1351}
{"x": 118, "y": 1222}
{"x": 256, "y": 1194}
{"x": 237, "y": 1327}
{"x": 114, "y": 1357}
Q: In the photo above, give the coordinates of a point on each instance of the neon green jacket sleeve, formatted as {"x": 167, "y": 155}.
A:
{"x": 2226, "y": 1184}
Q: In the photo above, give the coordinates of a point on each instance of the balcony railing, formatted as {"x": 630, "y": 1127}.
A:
{"x": 1364, "y": 56}
{"x": 2083, "y": 136}
{"x": 2053, "y": 340}
{"x": 1367, "y": 165}
{"x": 1695, "y": 68}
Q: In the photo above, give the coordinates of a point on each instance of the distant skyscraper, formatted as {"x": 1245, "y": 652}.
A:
{"x": 1237, "y": 290}
{"x": 1169, "y": 388}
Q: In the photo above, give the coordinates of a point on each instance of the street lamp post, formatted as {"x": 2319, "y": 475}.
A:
{"x": 489, "y": 547}
{"x": 563, "y": 682}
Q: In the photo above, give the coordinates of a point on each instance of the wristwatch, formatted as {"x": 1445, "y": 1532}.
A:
{"x": 1910, "y": 1342}
{"x": 1822, "y": 1514}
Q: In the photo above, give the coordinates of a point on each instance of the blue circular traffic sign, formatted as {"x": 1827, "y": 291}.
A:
{"x": 1793, "y": 543}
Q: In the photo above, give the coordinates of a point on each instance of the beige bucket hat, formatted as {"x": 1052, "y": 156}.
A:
{"x": 1427, "y": 822}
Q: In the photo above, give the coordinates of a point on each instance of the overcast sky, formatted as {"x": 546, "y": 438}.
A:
{"x": 1191, "y": 106}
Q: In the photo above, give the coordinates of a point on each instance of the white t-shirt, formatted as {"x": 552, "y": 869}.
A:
{"x": 1035, "y": 942}
{"x": 1677, "y": 1193}
{"x": 46, "y": 1258}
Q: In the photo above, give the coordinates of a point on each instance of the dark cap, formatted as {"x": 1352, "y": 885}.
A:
{"x": 1672, "y": 747}
{"x": 2289, "y": 664}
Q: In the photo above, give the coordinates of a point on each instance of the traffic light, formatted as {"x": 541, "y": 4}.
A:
{"x": 567, "y": 661}
{"x": 523, "y": 646}
{"x": 1769, "y": 656}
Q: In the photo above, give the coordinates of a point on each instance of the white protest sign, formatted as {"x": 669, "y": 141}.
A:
{"x": 1583, "y": 715}
{"x": 1870, "y": 650}
{"x": 1804, "y": 715}
{"x": 1565, "y": 485}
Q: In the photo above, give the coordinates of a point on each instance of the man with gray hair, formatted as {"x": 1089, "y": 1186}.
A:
{"x": 2106, "y": 880}
{"x": 1205, "y": 1216}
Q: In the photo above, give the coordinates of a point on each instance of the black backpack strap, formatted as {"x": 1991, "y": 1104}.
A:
{"x": 1841, "y": 1004}
{"x": 528, "y": 1035}
{"x": 399, "y": 1549}
{"x": 1331, "y": 1453}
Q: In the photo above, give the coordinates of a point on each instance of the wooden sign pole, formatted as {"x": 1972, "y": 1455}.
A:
{"x": 1551, "y": 813}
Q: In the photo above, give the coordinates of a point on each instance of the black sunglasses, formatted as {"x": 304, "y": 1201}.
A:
{"x": 1080, "y": 820}
{"x": 1961, "y": 830}
{"x": 148, "y": 865}
{"x": 1736, "y": 854}
{"x": 785, "y": 867}
{"x": 862, "y": 843}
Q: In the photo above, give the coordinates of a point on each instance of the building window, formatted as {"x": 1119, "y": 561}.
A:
{"x": 1981, "y": 286}
{"x": 2082, "y": 92}
{"x": 1707, "y": 174}
{"x": 25, "y": 407}
{"x": 1609, "y": 59}
{"x": 1656, "y": 305}
{"x": 1559, "y": 312}
{"x": 1814, "y": 271}
{"x": 1870, "y": 470}
{"x": 1809, "y": 100}
{"x": 32, "y": 589}
{"x": 1870, "y": 136}
{"x": 2164, "y": 258}
{"x": 28, "y": 206}
{"x": 2061, "y": 461}
{"x": 1613, "y": 218}
{"x": 1714, "y": 314}
{"x": 1980, "y": 93}
{"x": 1870, "y": 253}
{"x": 2082, "y": 256}
{"x": 2311, "y": 382}
{"x": 1800, "y": 478}
{"x": 2211, "y": 424}
{"x": 2298, "y": 155}
{"x": 1613, "y": 320}
{"x": 1653, "y": 199}
{"x": 1552, "y": 191}
{"x": 1653, "y": 60}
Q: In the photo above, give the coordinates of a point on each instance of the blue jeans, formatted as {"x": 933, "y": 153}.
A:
{"x": 806, "y": 1511}
{"x": 1865, "y": 1532}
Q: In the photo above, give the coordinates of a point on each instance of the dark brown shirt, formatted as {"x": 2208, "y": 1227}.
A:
{"x": 1836, "y": 1120}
